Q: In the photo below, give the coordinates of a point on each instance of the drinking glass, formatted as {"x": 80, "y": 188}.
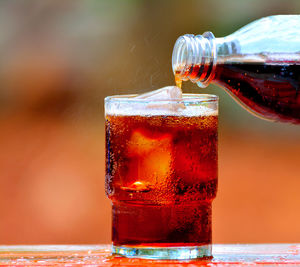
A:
{"x": 161, "y": 174}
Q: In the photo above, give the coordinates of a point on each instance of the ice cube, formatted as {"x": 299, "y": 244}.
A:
{"x": 151, "y": 159}
{"x": 170, "y": 95}
{"x": 165, "y": 93}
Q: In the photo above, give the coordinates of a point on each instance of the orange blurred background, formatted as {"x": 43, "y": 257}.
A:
{"x": 59, "y": 59}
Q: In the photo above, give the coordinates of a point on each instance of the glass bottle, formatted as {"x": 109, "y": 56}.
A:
{"x": 258, "y": 65}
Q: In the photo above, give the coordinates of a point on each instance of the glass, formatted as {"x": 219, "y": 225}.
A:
{"x": 161, "y": 175}
{"x": 258, "y": 65}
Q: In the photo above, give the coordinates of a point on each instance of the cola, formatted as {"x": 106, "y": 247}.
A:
{"x": 269, "y": 90}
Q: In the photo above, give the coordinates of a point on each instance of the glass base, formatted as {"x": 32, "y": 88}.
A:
{"x": 170, "y": 253}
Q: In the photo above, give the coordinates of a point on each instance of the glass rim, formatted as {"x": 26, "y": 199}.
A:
{"x": 186, "y": 98}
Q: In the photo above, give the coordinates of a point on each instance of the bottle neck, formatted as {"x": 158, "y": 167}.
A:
{"x": 194, "y": 58}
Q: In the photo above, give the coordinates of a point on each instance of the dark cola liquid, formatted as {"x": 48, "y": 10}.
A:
{"x": 271, "y": 90}
{"x": 161, "y": 175}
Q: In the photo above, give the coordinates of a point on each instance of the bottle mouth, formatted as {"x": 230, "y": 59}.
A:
{"x": 194, "y": 58}
{"x": 181, "y": 57}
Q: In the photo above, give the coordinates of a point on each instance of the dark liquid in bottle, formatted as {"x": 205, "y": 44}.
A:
{"x": 271, "y": 90}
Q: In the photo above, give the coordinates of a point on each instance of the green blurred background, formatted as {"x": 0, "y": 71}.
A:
{"x": 59, "y": 59}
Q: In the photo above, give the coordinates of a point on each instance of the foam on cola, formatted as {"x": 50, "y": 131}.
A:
{"x": 161, "y": 170}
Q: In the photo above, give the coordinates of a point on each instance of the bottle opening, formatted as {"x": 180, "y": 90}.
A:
{"x": 194, "y": 58}
{"x": 182, "y": 50}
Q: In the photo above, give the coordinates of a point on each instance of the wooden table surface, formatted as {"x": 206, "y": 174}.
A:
{"x": 99, "y": 255}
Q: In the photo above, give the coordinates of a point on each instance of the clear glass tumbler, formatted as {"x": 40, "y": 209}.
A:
{"x": 161, "y": 174}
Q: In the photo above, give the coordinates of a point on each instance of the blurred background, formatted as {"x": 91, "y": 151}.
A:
{"x": 59, "y": 59}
